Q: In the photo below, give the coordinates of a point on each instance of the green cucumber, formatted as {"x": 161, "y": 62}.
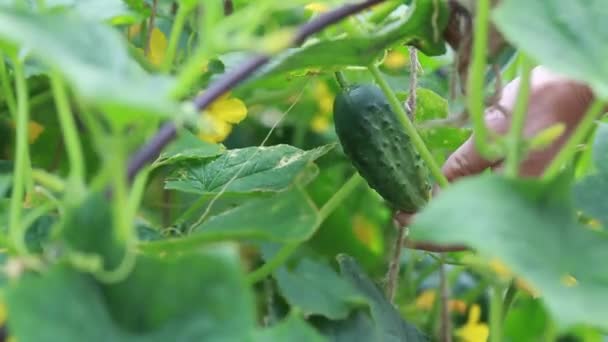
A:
{"x": 379, "y": 147}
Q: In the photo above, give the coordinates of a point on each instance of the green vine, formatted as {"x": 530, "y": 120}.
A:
{"x": 409, "y": 127}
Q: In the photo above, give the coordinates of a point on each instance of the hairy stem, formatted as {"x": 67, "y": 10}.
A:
{"x": 518, "y": 120}
{"x": 21, "y": 170}
{"x": 7, "y": 90}
{"x": 341, "y": 80}
{"x": 176, "y": 32}
{"x": 496, "y": 314}
{"x": 577, "y": 137}
{"x": 476, "y": 81}
{"x": 69, "y": 129}
{"x": 392, "y": 276}
{"x": 150, "y": 27}
{"x": 409, "y": 127}
{"x": 509, "y": 299}
{"x": 287, "y": 250}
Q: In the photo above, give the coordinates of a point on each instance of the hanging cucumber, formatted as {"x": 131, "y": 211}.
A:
{"x": 379, "y": 148}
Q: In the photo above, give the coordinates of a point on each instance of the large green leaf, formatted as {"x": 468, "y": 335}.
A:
{"x": 250, "y": 169}
{"x": 431, "y": 106}
{"x": 389, "y": 324}
{"x": 188, "y": 298}
{"x": 357, "y": 327}
{"x": 94, "y": 59}
{"x": 286, "y": 217}
{"x": 61, "y": 304}
{"x": 292, "y": 329}
{"x": 187, "y": 147}
{"x": 87, "y": 228}
{"x": 199, "y": 296}
{"x": 317, "y": 290}
{"x": 421, "y": 26}
{"x": 568, "y": 36}
{"x": 531, "y": 227}
{"x": 590, "y": 192}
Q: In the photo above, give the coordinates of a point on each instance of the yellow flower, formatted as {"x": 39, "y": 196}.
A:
{"x": 158, "y": 47}
{"x": 319, "y": 124}
{"x": 231, "y": 110}
{"x": 395, "y": 60}
{"x": 426, "y": 299}
{"x": 3, "y": 313}
{"x": 34, "y": 129}
{"x": 473, "y": 330}
{"x": 367, "y": 233}
{"x": 500, "y": 269}
{"x": 133, "y": 30}
{"x": 317, "y": 7}
{"x": 220, "y": 116}
{"x": 325, "y": 102}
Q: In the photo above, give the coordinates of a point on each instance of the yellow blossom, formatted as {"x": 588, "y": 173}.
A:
{"x": 133, "y": 30}
{"x": 569, "y": 281}
{"x": 325, "y": 102}
{"x": 426, "y": 299}
{"x": 473, "y": 330}
{"x": 220, "y": 116}
{"x": 319, "y": 124}
{"x": 158, "y": 47}
{"x": 500, "y": 269}
{"x": 317, "y": 7}
{"x": 3, "y": 313}
{"x": 367, "y": 233}
{"x": 231, "y": 110}
{"x": 395, "y": 60}
{"x": 34, "y": 130}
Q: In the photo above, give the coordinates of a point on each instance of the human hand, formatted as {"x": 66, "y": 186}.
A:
{"x": 553, "y": 99}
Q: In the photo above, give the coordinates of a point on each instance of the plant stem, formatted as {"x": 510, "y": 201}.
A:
{"x": 339, "y": 197}
{"x": 509, "y": 299}
{"x": 7, "y": 90}
{"x": 20, "y": 172}
{"x": 518, "y": 120}
{"x": 176, "y": 32}
{"x": 496, "y": 314}
{"x": 287, "y": 250}
{"x": 577, "y": 137}
{"x": 409, "y": 127}
{"x": 68, "y": 128}
{"x": 150, "y": 27}
{"x": 476, "y": 81}
{"x": 341, "y": 80}
{"x": 392, "y": 277}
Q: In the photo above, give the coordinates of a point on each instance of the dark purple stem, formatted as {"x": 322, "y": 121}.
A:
{"x": 168, "y": 131}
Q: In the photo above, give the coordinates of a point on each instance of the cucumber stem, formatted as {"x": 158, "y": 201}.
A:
{"x": 419, "y": 144}
{"x": 518, "y": 121}
{"x": 341, "y": 79}
{"x": 476, "y": 103}
{"x": 68, "y": 129}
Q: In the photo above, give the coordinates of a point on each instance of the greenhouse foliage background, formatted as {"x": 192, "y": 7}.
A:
{"x": 170, "y": 171}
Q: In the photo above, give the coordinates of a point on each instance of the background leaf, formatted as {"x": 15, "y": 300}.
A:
{"x": 257, "y": 169}
{"x": 317, "y": 290}
{"x": 565, "y": 35}
{"x": 530, "y": 226}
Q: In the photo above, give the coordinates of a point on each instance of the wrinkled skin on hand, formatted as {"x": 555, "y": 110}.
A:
{"x": 553, "y": 99}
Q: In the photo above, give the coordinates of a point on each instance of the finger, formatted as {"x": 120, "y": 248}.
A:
{"x": 466, "y": 160}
